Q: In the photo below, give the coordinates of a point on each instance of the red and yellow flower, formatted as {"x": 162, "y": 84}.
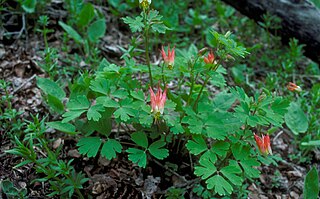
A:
{"x": 209, "y": 59}
{"x": 263, "y": 144}
{"x": 168, "y": 59}
{"x": 293, "y": 87}
{"x": 158, "y": 101}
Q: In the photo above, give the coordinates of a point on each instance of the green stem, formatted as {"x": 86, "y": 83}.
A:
{"x": 199, "y": 95}
{"x": 146, "y": 42}
{"x": 77, "y": 190}
{"x": 45, "y": 37}
{"x": 163, "y": 78}
{"x": 193, "y": 80}
{"x": 214, "y": 67}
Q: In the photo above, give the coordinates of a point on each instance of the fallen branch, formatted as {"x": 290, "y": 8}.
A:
{"x": 300, "y": 19}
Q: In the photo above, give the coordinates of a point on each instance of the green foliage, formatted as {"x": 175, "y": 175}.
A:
{"x": 10, "y": 191}
{"x": 311, "y": 184}
{"x": 28, "y": 5}
{"x": 151, "y": 20}
{"x": 202, "y": 116}
{"x": 135, "y": 24}
{"x": 89, "y": 146}
{"x": 63, "y": 127}
{"x": 296, "y": 120}
{"x": 61, "y": 175}
{"x": 71, "y": 32}
{"x": 140, "y": 156}
{"x": 54, "y": 92}
{"x": 86, "y": 28}
{"x": 175, "y": 193}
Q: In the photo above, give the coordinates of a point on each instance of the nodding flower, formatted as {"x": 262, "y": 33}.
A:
{"x": 158, "y": 101}
{"x": 263, "y": 144}
{"x": 293, "y": 87}
{"x": 145, "y": 3}
{"x": 209, "y": 59}
{"x": 168, "y": 59}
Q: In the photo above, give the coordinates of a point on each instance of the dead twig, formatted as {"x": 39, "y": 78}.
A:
{"x": 171, "y": 171}
{"x": 23, "y": 84}
{"x": 23, "y": 28}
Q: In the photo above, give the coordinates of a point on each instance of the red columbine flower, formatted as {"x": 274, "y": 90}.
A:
{"x": 293, "y": 87}
{"x": 209, "y": 59}
{"x": 158, "y": 100}
{"x": 263, "y": 144}
{"x": 168, "y": 60}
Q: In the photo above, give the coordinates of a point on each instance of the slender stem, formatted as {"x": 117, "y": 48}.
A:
{"x": 193, "y": 80}
{"x": 214, "y": 67}
{"x": 199, "y": 95}
{"x": 146, "y": 42}
{"x": 45, "y": 38}
{"x": 163, "y": 78}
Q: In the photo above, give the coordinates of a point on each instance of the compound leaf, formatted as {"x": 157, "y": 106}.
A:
{"x": 138, "y": 156}
{"x": 89, "y": 146}
{"x": 110, "y": 148}
{"x": 197, "y": 146}
{"x": 140, "y": 139}
{"x": 156, "y": 150}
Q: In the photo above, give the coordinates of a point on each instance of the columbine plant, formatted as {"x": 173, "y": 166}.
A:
{"x": 216, "y": 129}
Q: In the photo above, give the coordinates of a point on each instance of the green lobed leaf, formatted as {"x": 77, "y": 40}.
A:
{"x": 240, "y": 151}
{"x": 157, "y": 151}
{"x": 140, "y": 139}
{"x": 135, "y": 25}
{"x": 76, "y": 107}
{"x": 231, "y": 171}
{"x": 94, "y": 112}
{"x": 280, "y": 106}
{"x": 223, "y": 101}
{"x": 220, "y": 185}
{"x": 205, "y": 169}
{"x": 89, "y": 146}
{"x": 160, "y": 28}
{"x": 139, "y": 95}
{"x": 68, "y": 116}
{"x": 107, "y": 102}
{"x": 177, "y": 129}
{"x": 197, "y": 146}
{"x": 295, "y": 119}
{"x": 122, "y": 114}
{"x": 222, "y": 123}
{"x": 110, "y": 148}
{"x": 311, "y": 184}
{"x": 248, "y": 167}
{"x": 100, "y": 85}
{"x": 138, "y": 156}
{"x": 103, "y": 125}
{"x": 220, "y": 148}
{"x": 195, "y": 125}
